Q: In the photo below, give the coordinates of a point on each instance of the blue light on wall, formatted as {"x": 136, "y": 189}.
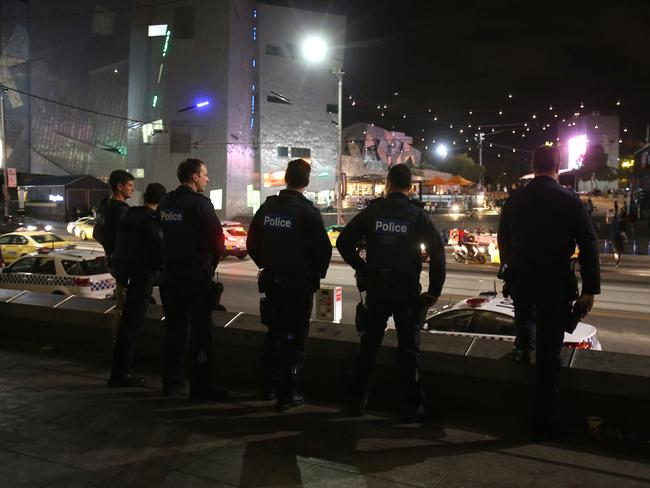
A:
{"x": 254, "y": 63}
{"x": 202, "y": 104}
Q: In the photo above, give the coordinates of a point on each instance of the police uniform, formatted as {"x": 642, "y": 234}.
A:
{"x": 539, "y": 228}
{"x": 288, "y": 242}
{"x": 193, "y": 243}
{"x": 107, "y": 219}
{"x": 394, "y": 228}
{"x": 138, "y": 259}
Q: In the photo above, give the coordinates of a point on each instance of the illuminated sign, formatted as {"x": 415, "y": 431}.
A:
{"x": 276, "y": 178}
{"x": 56, "y": 198}
{"x": 577, "y": 150}
{"x": 157, "y": 30}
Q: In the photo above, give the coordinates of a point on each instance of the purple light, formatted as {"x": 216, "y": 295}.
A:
{"x": 202, "y": 104}
{"x": 577, "y": 149}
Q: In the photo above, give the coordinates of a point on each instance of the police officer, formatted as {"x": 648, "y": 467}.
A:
{"x": 111, "y": 210}
{"x": 538, "y": 232}
{"x": 288, "y": 242}
{"x": 138, "y": 259}
{"x": 193, "y": 244}
{"x": 393, "y": 228}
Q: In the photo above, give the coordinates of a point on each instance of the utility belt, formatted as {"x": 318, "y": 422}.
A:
{"x": 390, "y": 283}
{"x": 274, "y": 281}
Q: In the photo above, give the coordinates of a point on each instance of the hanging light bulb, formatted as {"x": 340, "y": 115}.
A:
{"x": 509, "y": 95}
{"x": 618, "y": 103}
{"x": 550, "y": 107}
{"x": 500, "y": 112}
{"x": 582, "y": 104}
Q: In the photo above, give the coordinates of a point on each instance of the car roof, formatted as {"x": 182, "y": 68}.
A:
{"x": 493, "y": 302}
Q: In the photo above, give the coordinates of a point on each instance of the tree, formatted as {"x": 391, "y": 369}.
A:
{"x": 462, "y": 165}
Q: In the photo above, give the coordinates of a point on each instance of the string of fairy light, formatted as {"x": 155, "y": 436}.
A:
{"x": 466, "y": 134}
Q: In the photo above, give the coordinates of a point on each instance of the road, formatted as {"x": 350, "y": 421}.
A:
{"x": 621, "y": 314}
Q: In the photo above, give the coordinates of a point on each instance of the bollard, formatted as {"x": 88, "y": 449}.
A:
{"x": 635, "y": 247}
{"x": 606, "y": 247}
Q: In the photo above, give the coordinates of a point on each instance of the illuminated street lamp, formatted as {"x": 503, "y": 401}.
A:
{"x": 314, "y": 50}
{"x": 442, "y": 150}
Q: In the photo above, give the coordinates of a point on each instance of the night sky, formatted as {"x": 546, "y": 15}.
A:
{"x": 457, "y": 57}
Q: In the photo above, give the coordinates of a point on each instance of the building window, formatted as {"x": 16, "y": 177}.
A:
{"x": 183, "y": 26}
{"x": 276, "y": 97}
{"x": 332, "y": 108}
{"x": 293, "y": 52}
{"x": 272, "y": 50}
{"x": 300, "y": 152}
{"x": 283, "y": 152}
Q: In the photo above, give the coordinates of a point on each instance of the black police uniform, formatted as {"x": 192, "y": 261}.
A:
{"x": 394, "y": 228}
{"x": 138, "y": 259}
{"x": 109, "y": 213}
{"x": 193, "y": 244}
{"x": 539, "y": 229}
{"x": 288, "y": 241}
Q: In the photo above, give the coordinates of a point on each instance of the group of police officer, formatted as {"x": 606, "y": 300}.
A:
{"x": 287, "y": 240}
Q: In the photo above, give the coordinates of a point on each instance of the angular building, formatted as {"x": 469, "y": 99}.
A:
{"x": 144, "y": 87}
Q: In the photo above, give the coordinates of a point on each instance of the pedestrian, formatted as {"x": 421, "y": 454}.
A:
{"x": 618, "y": 238}
{"x": 110, "y": 212}
{"x": 288, "y": 242}
{"x": 539, "y": 228}
{"x": 394, "y": 229}
{"x": 193, "y": 243}
{"x": 138, "y": 260}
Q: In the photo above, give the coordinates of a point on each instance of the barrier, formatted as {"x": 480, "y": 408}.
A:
{"x": 459, "y": 371}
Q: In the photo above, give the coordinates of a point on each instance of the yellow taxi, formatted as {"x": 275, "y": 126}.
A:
{"x": 493, "y": 251}
{"x": 18, "y": 244}
{"x": 333, "y": 232}
{"x": 84, "y": 230}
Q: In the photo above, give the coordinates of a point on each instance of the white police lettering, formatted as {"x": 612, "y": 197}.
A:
{"x": 386, "y": 226}
{"x": 282, "y": 222}
{"x": 171, "y": 216}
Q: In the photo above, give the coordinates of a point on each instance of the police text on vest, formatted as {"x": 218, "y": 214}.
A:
{"x": 282, "y": 222}
{"x": 385, "y": 226}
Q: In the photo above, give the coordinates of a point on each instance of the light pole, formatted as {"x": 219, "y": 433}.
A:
{"x": 3, "y": 154}
{"x": 314, "y": 50}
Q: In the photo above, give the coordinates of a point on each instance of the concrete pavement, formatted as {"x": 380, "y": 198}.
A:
{"x": 61, "y": 427}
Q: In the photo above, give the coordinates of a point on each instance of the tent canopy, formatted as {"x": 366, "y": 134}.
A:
{"x": 459, "y": 180}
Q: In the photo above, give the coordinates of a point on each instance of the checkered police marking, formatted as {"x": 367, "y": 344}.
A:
{"x": 35, "y": 279}
{"x": 102, "y": 285}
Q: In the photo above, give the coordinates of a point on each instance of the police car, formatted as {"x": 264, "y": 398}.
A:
{"x": 67, "y": 271}
{"x": 19, "y": 244}
{"x": 234, "y": 236}
{"x": 493, "y": 316}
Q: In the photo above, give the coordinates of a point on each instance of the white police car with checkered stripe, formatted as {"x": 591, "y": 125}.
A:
{"x": 70, "y": 271}
{"x": 492, "y": 316}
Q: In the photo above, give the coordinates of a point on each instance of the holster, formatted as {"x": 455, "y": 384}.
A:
{"x": 361, "y": 318}
{"x": 214, "y": 296}
{"x": 267, "y": 311}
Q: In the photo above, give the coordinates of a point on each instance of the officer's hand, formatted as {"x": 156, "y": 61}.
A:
{"x": 587, "y": 302}
{"x": 428, "y": 299}
{"x": 362, "y": 280}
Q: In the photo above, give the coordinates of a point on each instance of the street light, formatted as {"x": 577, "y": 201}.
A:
{"x": 314, "y": 50}
{"x": 442, "y": 150}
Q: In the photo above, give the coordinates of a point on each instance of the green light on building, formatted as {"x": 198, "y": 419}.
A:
{"x": 324, "y": 174}
{"x": 166, "y": 44}
{"x": 155, "y": 101}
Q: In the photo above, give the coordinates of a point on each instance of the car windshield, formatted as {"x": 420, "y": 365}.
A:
{"x": 236, "y": 231}
{"x": 90, "y": 267}
{"x": 45, "y": 238}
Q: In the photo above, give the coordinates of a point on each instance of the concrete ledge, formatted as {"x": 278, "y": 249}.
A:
{"x": 459, "y": 371}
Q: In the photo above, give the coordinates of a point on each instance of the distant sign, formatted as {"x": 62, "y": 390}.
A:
{"x": 12, "y": 182}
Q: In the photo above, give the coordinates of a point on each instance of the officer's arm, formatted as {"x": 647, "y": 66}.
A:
{"x": 588, "y": 252}
{"x": 156, "y": 242}
{"x": 503, "y": 234}
{"x": 213, "y": 230}
{"x": 321, "y": 244}
{"x": 348, "y": 239}
{"x": 436, "y": 251}
{"x": 254, "y": 239}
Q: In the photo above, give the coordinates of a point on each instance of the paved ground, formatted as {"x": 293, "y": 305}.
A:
{"x": 61, "y": 427}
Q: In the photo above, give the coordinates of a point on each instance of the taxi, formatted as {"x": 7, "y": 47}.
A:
{"x": 333, "y": 232}
{"x": 234, "y": 236}
{"x": 18, "y": 244}
{"x": 69, "y": 271}
{"x": 84, "y": 230}
{"x": 495, "y": 257}
{"x": 72, "y": 225}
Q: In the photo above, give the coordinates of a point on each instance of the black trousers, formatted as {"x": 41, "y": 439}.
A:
{"x": 550, "y": 319}
{"x": 186, "y": 304}
{"x": 287, "y": 319}
{"x": 406, "y": 313}
{"x": 138, "y": 294}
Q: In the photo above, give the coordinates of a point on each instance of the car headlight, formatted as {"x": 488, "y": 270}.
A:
{"x": 31, "y": 228}
{"x": 455, "y": 208}
{"x": 48, "y": 228}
